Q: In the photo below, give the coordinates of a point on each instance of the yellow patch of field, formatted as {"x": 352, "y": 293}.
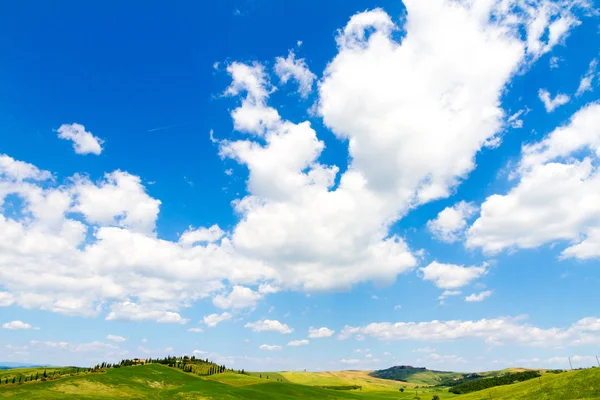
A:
{"x": 155, "y": 384}
{"x": 91, "y": 388}
{"x": 343, "y": 378}
{"x": 191, "y": 396}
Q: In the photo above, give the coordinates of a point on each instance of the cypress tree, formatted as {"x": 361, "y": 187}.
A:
{"x": 45, "y": 374}
{"x": 14, "y": 378}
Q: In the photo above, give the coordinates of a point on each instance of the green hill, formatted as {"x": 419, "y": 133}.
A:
{"x": 155, "y": 381}
{"x": 572, "y": 385}
{"x": 417, "y": 375}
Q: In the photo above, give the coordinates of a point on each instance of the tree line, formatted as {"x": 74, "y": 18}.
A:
{"x": 484, "y": 383}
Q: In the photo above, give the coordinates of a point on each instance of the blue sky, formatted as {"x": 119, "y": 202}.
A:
{"x": 288, "y": 185}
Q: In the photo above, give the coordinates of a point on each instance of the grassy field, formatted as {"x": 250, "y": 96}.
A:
{"x": 161, "y": 382}
{"x": 571, "y": 385}
{"x": 340, "y": 378}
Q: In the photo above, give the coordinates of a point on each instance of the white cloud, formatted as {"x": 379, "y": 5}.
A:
{"x": 266, "y": 325}
{"x": 195, "y": 330}
{"x": 298, "y": 343}
{"x": 448, "y": 293}
{"x": 17, "y": 325}
{"x": 349, "y": 361}
{"x": 83, "y": 142}
{"x": 556, "y": 197}
{"x": 554, "y": 62}
{"x": 587, "y": 80}
{"x": 497, "y": 331}
{"x": 253, "y": 116}
{"x": 129, "y": 311}
{"x": 240, "y": 297}
{"x": 451, "y": 276}
{"x": 451, "y": 222}
{"x": 201, "y": 235}
{"x": 550, "y": 104}
{"x": 6, "y": 299}
{"x": 269, "y": 347}
{"x": 323, "y": 332}
{"x": 397, "y": 307}
{"x": 120, "y": 199}
{"x": 296, "y": 69}
{"x": 515, "y": 120}
{"x": 213, "y": 320}
{"x": 478, "y": 296}
{"x": 115, "y": 338}
{"x": 18, "y": 171}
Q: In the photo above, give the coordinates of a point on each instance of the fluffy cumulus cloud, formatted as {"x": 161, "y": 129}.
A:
{"x": 213, "y": 320}
{"x": 268, "y": 325}
{"x": 551, "y": 104}
{"x": 17, "y": 325}
{"x": 495, "y": 331}
{"x": 323, "y": 332}
{"x": 296, "y": 69}
{"x": 451, "y": 222}
{"x": 201, "y": 235}
{"x": 414, "y": 121}
{"x": 556, "y": 197}
{"x": 239, "y": 297}
{"x": 478, "y": 296}
{"x": 451, "y": 276}
{"x": 83, "y": 141}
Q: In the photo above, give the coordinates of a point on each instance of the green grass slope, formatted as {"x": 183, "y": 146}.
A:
{"x": 573, "y": 385}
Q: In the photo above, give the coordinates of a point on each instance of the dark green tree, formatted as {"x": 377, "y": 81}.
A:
{"x": 401, "y": 389}
{"x": 14, "y": 379}
{"x": 435, "y": 397}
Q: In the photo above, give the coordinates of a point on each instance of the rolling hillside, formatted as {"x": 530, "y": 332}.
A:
{"x": 417, "y": 375}
{"x": 156, "y": 381}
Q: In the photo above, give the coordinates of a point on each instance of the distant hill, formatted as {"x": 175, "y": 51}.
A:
{"x": 419, "y": 375}
{"x": 10, "y": 365}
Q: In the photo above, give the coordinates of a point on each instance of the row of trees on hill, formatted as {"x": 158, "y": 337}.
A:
{"x": 484, "y": 383}
{"x": 191, "y": 364}
{"x": 44, "y": 376}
